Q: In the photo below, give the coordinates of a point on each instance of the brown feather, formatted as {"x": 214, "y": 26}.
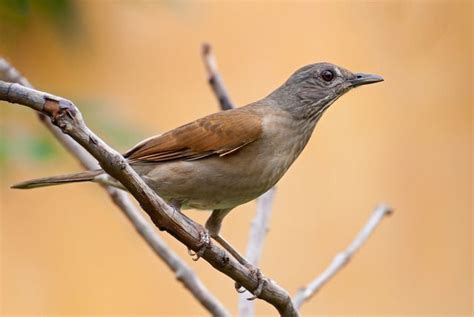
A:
{"x": 220, "y": 134}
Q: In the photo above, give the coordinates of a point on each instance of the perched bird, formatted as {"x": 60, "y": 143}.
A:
{"x": 231, "y": 157}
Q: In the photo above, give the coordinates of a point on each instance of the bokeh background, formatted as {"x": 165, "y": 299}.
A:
{"x": 134, "y": 69}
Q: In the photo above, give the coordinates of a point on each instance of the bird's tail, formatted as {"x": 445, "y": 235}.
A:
{"x": 86, "y": 176}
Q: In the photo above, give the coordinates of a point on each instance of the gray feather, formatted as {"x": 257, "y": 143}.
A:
{"x": 86, "y": 176}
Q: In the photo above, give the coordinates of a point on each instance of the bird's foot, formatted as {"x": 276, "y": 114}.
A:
{"x": 261, "y": 282}
{"x": 205, "y": 241}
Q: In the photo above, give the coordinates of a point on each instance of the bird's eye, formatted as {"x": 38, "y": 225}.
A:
{"x": 327, "y": 75}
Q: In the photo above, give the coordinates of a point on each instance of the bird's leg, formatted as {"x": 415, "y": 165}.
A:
{"x": 203, "y": 234}
{"x": 213, "y": 225}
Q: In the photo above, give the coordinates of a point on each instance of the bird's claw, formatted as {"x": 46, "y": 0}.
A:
{"x": 239, "y": 288}
{"x": 261, "y": 282}
{"x": 192, "y": 254}
{"x": 205, "y": 241}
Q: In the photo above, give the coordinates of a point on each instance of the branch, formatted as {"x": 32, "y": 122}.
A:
{"x": 341, "y": 259}
{"x": 257, "y": 234}
{"x": 10, "y": 74}
{"x": 214, "y": 78}
{"x": 65, "y": 115}
{"x": 183, "y": 272}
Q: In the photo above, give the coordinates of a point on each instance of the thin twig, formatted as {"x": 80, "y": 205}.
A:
{"x": 258, "y": 231}
{"x": 214, "y": 78}
{"x": 341, "y": 259}
{"x": 65, "y": 115}
{"x": 11, "y": 74}
{"x": 183, "y": 272}
{"x": 260, "y": 227}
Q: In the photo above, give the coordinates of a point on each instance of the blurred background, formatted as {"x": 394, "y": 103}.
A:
{"x": 134, "y": 69}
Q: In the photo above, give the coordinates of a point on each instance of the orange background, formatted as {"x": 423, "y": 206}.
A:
{"x": 407, "y": 141}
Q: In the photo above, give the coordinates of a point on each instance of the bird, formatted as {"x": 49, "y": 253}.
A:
{"x": 231, "y": 157}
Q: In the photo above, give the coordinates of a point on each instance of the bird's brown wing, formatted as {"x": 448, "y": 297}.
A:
{"x": 217, "y": 134}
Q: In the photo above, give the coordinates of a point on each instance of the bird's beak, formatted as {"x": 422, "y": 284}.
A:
{"x": 365, "y": 79}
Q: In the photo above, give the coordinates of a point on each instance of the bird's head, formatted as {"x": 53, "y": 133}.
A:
{"x": 313, "y": 88}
